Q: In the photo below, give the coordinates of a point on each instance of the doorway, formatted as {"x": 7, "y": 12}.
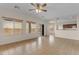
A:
{"x": 42, "y": 29}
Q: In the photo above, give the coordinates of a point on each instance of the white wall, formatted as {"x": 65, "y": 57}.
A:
{"x": 78, "y": 24}
{"x": 7, "y": 12}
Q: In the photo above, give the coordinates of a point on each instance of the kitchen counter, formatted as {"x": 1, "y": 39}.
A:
{"x": 69, "y": 34}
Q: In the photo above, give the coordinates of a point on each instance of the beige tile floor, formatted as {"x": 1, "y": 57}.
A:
{"x": 42, "y": 46}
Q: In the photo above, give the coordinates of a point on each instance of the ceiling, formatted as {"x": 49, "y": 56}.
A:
{"x": 54, "y": 10}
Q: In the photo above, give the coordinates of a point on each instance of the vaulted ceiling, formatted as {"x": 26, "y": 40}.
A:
{"x": 54, "y": 10}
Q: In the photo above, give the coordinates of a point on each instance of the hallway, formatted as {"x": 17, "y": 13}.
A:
{"x": 42, "y": 46}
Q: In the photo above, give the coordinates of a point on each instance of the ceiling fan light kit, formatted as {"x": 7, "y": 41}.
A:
{"x": 38, "y": 11}
{"x": 38, "y": 7}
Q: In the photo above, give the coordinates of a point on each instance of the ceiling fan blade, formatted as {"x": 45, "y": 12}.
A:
{"x": 17, "y": 7}
{"x": 33, "y": 4}
{"x": 44, "y": 5}
{"x": 44, "y": 10}
{"x": 38, "y": 5}
{"x": 31, "y": 9}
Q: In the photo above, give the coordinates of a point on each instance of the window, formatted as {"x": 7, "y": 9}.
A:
{"x": 12, "y": 26}
{"x": 27, "y": 27}
{"x": 35, "y": 28}
{"x": 8, "y": 27}
{"x": 38, "y": 28}
{"x": 17, "y": 27}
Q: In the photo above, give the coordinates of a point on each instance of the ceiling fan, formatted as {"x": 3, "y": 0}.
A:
{"x": 38, "y": 7}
